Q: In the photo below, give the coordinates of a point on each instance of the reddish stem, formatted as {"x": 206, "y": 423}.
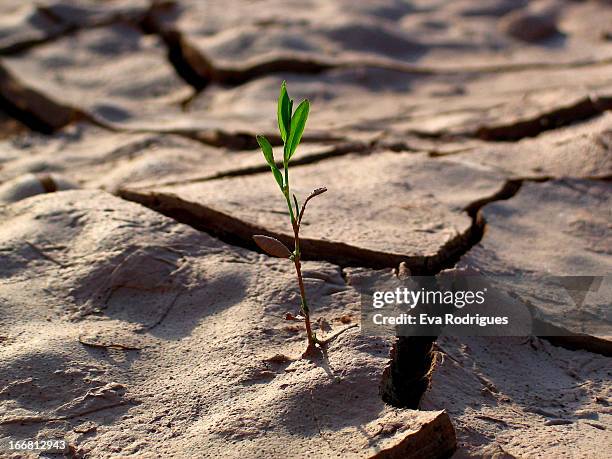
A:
{"x": 298, "y": 270}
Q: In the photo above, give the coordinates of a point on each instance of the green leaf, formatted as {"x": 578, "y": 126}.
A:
{"x": 298, "y": 123}
{"x": 266, "y": 148}
{"x": 269, "y": 155}
{"x": 284, "y": 112}
{"x": 277, "y": 176}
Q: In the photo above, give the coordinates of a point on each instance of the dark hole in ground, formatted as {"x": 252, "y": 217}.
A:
{"x": 407, "y": 377}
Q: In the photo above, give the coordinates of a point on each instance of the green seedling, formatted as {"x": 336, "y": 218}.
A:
{"x": 291, "y": 125}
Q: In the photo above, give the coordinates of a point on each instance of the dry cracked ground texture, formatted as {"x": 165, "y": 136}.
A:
{"x": 138, "y": 320}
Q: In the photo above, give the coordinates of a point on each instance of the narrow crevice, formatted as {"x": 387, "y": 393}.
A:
{"x": 396, "y": 146}
{"x": 509, "y": 190}
{"x": 477, "y": 228}
{"x": 194, "y": 68}
{"x": 22, "y": 46}
{"x": 279, "y": 64}
{"x": 241, "y": 141}
{"x": 29, "y": 115}
{"x": 583, "y": 109}
{"x": 238, "y": 232}
{"x": 401, "y": 146}
{"x": 407, "y": 376}
{"x": 25, "y": 45}
{"x": 335, "y": 151}
{"x": 25, "y": 117}
{"x": 197, "y": 69}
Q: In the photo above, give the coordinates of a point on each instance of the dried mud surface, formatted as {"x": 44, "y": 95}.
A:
{"x": 138, "y": 319}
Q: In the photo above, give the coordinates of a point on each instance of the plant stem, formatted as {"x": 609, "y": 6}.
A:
{"x": 297, "y": 262}
{"x": 305, "y": 309}
{"x": 286, "y": 193}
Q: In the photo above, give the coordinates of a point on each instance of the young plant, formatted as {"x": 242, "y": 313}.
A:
{"x": 291, "y": 125}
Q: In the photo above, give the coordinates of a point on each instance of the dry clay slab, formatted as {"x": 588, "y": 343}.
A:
{"x": 555, "y": 228}
{"x": 129, "y": 334}
{"x": 521, "y": 397}
{"x": 380, "y": 210}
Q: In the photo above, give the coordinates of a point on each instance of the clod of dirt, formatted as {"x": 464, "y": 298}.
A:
{"x": 530, "y": 27}
{"x": 28, "y": 185}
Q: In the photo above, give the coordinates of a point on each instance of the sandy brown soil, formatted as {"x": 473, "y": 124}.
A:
{"x": 138, "y": 318}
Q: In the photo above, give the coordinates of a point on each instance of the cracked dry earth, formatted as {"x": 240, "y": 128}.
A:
{"x": 138, "y": 319}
